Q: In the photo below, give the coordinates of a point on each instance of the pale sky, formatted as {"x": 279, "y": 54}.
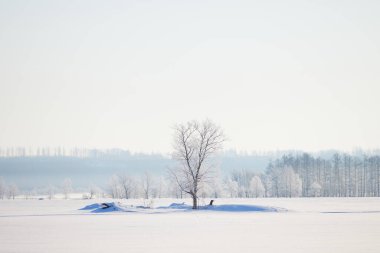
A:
{"x": 273, "y": 74}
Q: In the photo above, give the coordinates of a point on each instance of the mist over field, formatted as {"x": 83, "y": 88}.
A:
{"x": 328, "y": 173}
{"x": 97, "y": 166}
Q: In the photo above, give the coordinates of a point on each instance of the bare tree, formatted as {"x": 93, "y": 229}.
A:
{"x": 126, "y": 184}
{"x": 147, "y": 184}
{"x": 232, "y": 187}
{"x": 256, "y": 187}
{"x": 2, "y": 188}
{"x": 28, "y": 194}
{"x": 93, "y": 191}
{"x": 67, "y": 187}
{"x": 194, "y": 145}
{"x": 114, "y": 187}
{"x": 50, "y": 191}
{"x": 173, "y": 188}
{"x": 160, "y": 188}
{"x": 12, "y": 191}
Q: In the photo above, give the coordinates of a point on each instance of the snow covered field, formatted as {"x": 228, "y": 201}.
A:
{"x": 279, "y": 225}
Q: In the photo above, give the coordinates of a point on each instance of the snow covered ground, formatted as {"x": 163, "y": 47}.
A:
{"x": 233, "y": 225}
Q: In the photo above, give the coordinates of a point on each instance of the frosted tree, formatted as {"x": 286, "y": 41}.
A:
{"x": 50, "y": 191}
{"x": 161, "y": 188}
{"x": 216, "y": 187}
{"x": 67, "y": 187}
{"x": 232, "y": 188}
{"x": 195, "y": 144}
{"x": 272, "y": 181}
{"x": 291, "y": 184}
{"x": 127, "y": 185}
{"x": 205, "y": 190}
{"x": 2, "y": 188}
{"x": 93, "y": 191}
{"x": 284, "y": 182}
{"x": 147, "y": 184}
{"x": 174, "y": 189}
{"x": 338, "y": 174}
{"x": 12, "y": 191}
{"x": 256, "y": 187}
{"x": 316, "y": 189}
{"x": 114, "y": 186}
{"x": 243, "y": 178}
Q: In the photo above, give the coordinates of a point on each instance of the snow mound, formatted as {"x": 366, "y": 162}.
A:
{"x": 226, "y": 208}
{"x": 241, "y": 208}
{"x": 110, "y": 207}
{"x": 106, "y": 207}
{"x": 177, "y": 206}
{"x": 91, "y": 207}
{"x": 118, "y": 207}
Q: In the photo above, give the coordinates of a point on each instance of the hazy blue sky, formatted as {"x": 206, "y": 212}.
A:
{"x": 273, "y": 74}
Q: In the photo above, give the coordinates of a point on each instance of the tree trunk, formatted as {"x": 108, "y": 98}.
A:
{"x": 195, "y": 204}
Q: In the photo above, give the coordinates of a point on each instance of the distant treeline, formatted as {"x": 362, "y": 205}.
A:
{"x": 61, "y": 151}
{"x": 342, "y": 175}
{"x": 9, "y": 152}
{"x": 40, "y": 167}
{"x": 275, "y": 174}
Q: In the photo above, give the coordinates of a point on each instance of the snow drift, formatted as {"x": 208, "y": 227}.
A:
{"x": 118, "y": 207}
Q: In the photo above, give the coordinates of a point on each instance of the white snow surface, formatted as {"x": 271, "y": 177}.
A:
{"x": 232, "y": 225}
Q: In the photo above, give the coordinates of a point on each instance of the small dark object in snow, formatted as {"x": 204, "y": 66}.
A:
{"x": 143, "y": 207}
{"x": 105, "y": 205}
{"x": 211, "y": 202}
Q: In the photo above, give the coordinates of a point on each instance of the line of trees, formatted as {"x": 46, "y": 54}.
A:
{"x": 302, "y": 175}
{"x": 195, "y": 145}
{"x": 8, "y": 190}
{"x": 9, "y": 152}
{"x": 11, "y": 190}
{"x": 125, "y": 186}
{"x": 342, "y": 175}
